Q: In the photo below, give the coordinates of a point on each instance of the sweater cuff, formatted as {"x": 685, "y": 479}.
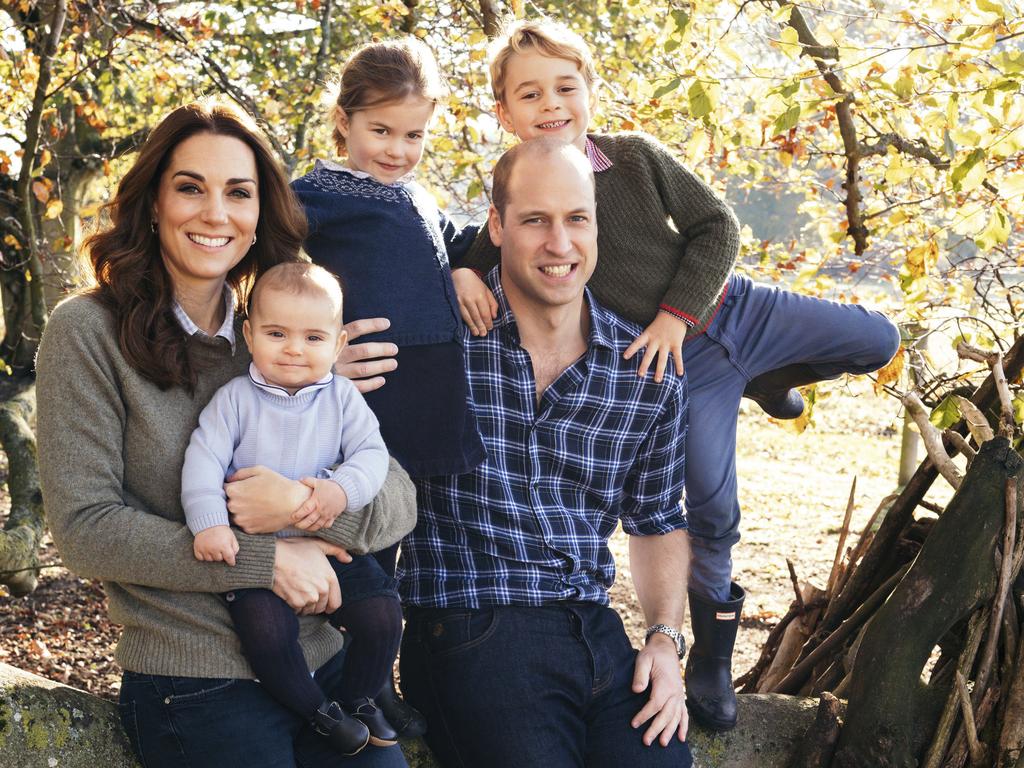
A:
{"x": 203, "y": 516}
{"x": 687, "y": 318}
{"x": 254, "y": 563}
{"x": 351, "y": 489}
{"x": 347, "y": 530}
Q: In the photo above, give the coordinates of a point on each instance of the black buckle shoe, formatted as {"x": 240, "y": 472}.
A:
{"x": 370, "y": 715}
{"x": 344, "y": 732}
{"x": 710, "y": 696}
{"x": 407, "y": 721}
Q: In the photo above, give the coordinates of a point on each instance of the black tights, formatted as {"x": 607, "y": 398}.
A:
{"x": 269, "y": 631}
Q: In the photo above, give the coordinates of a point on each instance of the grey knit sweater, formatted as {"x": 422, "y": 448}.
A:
{"x": 111, "y": 446}
{"x": 665, "y": 240}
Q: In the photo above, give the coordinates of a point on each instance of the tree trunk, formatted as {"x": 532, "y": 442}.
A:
{"x": 23, "y": 531}
{"x": 891, "y": 713}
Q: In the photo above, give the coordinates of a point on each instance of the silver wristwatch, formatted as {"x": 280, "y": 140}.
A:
{"x": 675, "y": 634}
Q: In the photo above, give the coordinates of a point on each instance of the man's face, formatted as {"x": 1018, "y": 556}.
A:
{"x": 548, "y": 235}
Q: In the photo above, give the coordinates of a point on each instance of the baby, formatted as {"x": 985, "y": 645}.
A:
{"x": 294, "y": 416}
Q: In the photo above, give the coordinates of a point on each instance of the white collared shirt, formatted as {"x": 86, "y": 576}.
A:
{"x": 227, "y": 328}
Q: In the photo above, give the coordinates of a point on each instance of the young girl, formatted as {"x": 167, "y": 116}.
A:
{"x": 382, "y": 234}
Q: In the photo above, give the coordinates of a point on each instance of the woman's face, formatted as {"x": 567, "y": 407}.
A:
{"x": 206, "y": 209}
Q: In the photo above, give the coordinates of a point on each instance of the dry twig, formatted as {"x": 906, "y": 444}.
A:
{"x": 965, "y": 709}
{"x": 833, "y": 577}
{"x": 932, "y": 439}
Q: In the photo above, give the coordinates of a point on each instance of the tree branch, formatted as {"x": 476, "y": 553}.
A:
{"x": 821, "y": 54}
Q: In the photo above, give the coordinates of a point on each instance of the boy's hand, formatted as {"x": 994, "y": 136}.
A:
{"x": 216, "y": 544}
{"x": 478, "y": 305}
{"x": 322, "y": 508}
{"x": 663, "y": 338}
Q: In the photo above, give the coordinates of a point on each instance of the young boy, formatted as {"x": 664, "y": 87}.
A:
{"x": 293, "y": 415}
{"x": 667, "y": 245}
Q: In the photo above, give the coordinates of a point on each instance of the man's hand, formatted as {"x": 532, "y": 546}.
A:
{"x": 657, "y": 667}
{"x": 322, "y": 508}
{"x": 215, "y": 545}
{"x": 262, "y": 501}
{"x": 476, "y": 302}
{"x": 366, "y": 363}
{"x": 663, "y": 339}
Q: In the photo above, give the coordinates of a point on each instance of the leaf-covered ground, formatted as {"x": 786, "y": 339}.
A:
{"x": 793, "y": 489}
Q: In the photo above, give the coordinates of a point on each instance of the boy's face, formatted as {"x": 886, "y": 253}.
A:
{"x": 545, "y": 96}
{"x": 294, "y": 338}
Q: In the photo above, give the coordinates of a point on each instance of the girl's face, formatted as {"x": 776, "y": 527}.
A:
{"x": 386, "y": 141}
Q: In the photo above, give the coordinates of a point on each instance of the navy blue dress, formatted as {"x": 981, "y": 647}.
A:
{"x": 390, "y": 246}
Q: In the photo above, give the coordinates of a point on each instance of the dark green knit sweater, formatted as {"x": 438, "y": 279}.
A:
{"x": 111, "y": 446}
{"x": 664, "y": 238}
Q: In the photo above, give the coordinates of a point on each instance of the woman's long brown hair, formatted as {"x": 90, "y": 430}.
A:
{"x": 131, "y": 279}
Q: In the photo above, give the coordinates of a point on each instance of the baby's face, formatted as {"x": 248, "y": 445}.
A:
{"x": 294, "y": 338}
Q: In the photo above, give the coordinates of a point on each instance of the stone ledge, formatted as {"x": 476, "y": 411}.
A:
{"x": 44, "y": 724}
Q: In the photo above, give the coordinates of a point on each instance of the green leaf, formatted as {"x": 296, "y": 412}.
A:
{"x": 948, "y": 144}
{"x": 682, "y": 20}
{"x": 946, "y": 413}
{"x": 668, "y": 87}
{"x": 961, "y": 171}
{"x": 786, "y": 120}
{"x": 700, "y": 100}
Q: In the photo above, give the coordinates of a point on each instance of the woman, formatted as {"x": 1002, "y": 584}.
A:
{"x": 123, "y": 372}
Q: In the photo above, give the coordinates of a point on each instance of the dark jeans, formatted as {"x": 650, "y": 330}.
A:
{"x": 189, "y": 722}
{"x": 528, "y": 686}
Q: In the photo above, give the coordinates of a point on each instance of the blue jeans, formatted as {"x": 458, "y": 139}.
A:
{"x": 190, "y": 722}
{"x": 509, "y": 687}
{"x": 758, "y": 329}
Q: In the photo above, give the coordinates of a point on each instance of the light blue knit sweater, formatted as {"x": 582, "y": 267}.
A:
{"x": 249, "y": 422}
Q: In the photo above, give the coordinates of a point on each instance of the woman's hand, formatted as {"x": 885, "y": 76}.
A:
{"x": 365, "y": 363}
{"x": 476, "y": 302}
{"x": 262, "y": 501}
{"x": 302, "y": 576}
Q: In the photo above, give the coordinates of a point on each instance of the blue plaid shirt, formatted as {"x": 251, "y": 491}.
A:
{"x": 531, "y": 524}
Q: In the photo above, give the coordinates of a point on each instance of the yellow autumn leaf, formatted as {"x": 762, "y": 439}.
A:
{"x": 996, "y": 232}
{"x": 890, "y": 374}
{"x": 54, "y": 208}
{"x": 789, "y": 42}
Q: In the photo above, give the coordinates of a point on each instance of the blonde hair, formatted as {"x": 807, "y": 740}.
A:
{"x": 302, "y": 278}
{"x": 549, "y": 37}
{"x": 382, "y": 73}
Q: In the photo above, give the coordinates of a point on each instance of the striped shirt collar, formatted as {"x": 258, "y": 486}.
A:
{"x": 227, "y": 328}
{"x": 598, "y": 160}
{"x": 261, "y": 382}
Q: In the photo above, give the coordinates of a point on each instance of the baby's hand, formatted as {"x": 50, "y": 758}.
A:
{"x": 664, "y": 339}
{"x": 216, "y": 544}
{"x": 322, "y": 508}
{"x": 478, "y": 305}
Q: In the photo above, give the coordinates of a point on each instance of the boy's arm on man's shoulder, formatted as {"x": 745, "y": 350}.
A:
{"x": 708, "y": 225}
{"x": 457, "y": 242}
{"x": 482, "y": 255}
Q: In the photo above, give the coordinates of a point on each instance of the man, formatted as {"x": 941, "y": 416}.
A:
{"x": 510, "y": 649}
